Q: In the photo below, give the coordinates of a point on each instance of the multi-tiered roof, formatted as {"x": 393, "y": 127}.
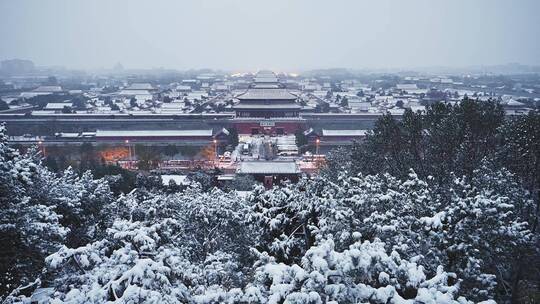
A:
{"x": 266, "y": 97}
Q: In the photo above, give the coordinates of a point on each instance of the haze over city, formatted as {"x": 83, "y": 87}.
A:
{"x": 278, "y": 35}
{"x": 257, "y": 152}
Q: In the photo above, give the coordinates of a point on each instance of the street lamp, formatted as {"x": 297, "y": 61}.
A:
{"x": 129, "y": 149}
{"x": 41, "y": 147}
{"x": 317, "y": 142}
{"x": 215, "y": 148}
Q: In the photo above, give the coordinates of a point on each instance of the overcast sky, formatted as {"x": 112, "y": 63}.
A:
{"x": 283, "y": 35}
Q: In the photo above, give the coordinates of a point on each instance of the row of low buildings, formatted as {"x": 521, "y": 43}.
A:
{"x": 265, "y": 106}
{"x": 213, "y": 94}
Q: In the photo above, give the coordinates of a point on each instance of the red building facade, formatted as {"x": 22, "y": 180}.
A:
{"x": 267, "y": 108}
{"x": 268, "y": 126}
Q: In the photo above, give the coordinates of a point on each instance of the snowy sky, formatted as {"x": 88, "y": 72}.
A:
{"x": 283, "y": 35}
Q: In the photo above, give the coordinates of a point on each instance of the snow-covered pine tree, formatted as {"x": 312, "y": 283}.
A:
{"x": 170, "y": 248}
{"x": 29, "y": 229}
{"x": 362, "y": 273}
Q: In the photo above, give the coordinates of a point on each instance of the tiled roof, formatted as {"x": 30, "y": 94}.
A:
{"x": 150, "y": 133}
{"x": 270, "y": 106}
{"x": 48, "y": 89}
{"x": 407, "y": 86}
{"x": 140, "y": 86}
{"x": 57, "y": 105}
{"x": 344, "y": 132}
{"x": 267, "y": 94}
{"x": 265, "y": 79}
{"x": 256, "y": 167}
{"x": 266, "y": 86}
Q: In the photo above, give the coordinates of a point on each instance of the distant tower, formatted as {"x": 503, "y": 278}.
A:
{"x": 118, "y": 67}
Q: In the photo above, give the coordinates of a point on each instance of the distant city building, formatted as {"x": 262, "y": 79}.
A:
{"x": 48, "y": 89}
{"x": 183, "y": 88}
{"x": 407, "y": 86}
{"x": 17, "y": 66}
{"x": 42, "y": 90}
{"x": 140, "y": 91}
{"x": 58, "y": 107}
{"x": 174, "y": 107}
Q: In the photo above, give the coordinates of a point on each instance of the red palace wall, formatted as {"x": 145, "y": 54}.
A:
{"x": 155, "y": 138}
{"x": 287, "y": 127}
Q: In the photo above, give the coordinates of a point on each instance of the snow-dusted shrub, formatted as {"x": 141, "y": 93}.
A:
{"x": 129, "y": 265}
{"x": 363, "y": 273}
{"x": 459, "y": 227}
{"x": 172, "y": 248}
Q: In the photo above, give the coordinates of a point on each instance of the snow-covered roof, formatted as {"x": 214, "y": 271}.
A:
{"x": 178, "y": 179}
{"x": 32, "y": 94}
{"x": 264, "y": 167}
{"x": 243, "y": 194}
{"x": 513, "y": 102}
{"x": 224, "y": 131}
{"x": 344, "y": 132}
{"x": 183, "y": 88}
{"x": 140, "y": 86}
{"x": 268, "y": 106}
{"x": 152, "y": 133}
{"x": 406, "y": 86}
{"x": 58, "y": 105}
{"x": 197, "y": 95}
{"x": 67, "y": 135}
{"x": 269, "y": 94}
{"x": 221, "y": 87}
{"x": 135, "y": 92}
{"x": 174, "y": 105}
{"x": 265, "y": 79}
{"x": 226, "y": 177}
{"x": 418, "y": 108}
{"x": 49, "y": 89}
{"x": 399, "y": 111}
{"x": 43, "y": 112}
